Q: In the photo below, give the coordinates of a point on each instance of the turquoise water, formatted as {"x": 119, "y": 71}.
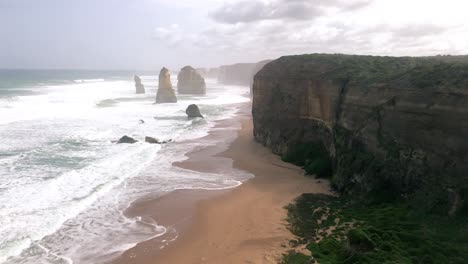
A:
{"x": 64, "y": 184}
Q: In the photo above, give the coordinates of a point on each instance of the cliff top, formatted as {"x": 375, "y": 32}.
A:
{"x": 438, "y": 72}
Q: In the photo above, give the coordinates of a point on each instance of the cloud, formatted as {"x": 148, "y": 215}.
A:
{"x": 419, "y": 30}
{"x": 257, "y": 30}
{"x": 257, "y": 10}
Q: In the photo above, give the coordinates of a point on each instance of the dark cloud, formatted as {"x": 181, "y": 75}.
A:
{"x": 256, "y": 10}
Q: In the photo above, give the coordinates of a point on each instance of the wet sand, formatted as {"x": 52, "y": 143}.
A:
{"x": 245, "y": 224}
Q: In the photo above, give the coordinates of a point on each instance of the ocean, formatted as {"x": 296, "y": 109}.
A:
{"x": 64, "y": 185}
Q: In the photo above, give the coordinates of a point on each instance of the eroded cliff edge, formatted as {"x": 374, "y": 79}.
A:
{"x": 395, "y": 126}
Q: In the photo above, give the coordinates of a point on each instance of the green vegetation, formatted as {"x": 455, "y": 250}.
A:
{"x": 395, "y": 195}
{"x": 366, "y": 71}
{"x": 363, "y": 232}
{"x": 313, "y": 157}
{"x": 295, "y": 258}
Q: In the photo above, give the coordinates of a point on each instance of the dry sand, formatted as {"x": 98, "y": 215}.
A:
{"x": 241, "y": 225}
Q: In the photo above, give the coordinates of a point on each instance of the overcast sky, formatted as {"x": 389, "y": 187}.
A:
{"x": 148, "y": 34}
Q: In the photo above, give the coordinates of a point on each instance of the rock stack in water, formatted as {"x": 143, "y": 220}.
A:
{"x": 193, "y": 111}
{"x": 190, "y": 81}
{"x": 140, "y": 88}
{"x": 165, "y": 92}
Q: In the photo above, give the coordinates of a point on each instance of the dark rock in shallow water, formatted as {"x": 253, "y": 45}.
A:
{"x": 165, "y": 93}
{"x": 140, "y": 88}
{"x": 152, "y": 140}
{"x": 126, "y": 140}
{"x": 193, "y": 111}
{"x": 190, "y": 81}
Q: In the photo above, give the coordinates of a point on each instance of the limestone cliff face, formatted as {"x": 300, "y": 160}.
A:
{"x": 395, "y": 123}
{"x": 190, "y": 81}
{"x": 165, "y": 92}
{"x": 258, "y": 66}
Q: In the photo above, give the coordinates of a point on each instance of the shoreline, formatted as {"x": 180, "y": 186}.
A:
{"x": 243, "y": 224}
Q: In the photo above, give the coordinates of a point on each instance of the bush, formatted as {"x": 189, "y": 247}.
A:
{"x": 376, "y": 232}
{"x": 313, "y": 157}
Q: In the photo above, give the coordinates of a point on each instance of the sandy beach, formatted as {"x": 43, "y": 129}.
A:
{"x": 240, "y": 225}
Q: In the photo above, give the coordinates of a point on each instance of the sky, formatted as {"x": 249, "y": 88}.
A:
{"x": 149, "y": 34}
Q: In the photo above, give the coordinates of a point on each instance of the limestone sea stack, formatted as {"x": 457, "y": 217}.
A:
{"x": 190, "y": 81}
{"x": 140, "y": 88}
{"x": 193, "y": 111}
{"x": 165, "y": 93}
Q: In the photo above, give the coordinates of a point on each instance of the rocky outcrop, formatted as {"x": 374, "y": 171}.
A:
{"x": 140, "y": 88}
{"x": 153, "y": 140}
{"x": 392, "y": 126}
{"x": 166, "y": 93}
{"x": 193, "y": 111}
{"x": 126, "y": 140}
{"x": 190, "y": 81}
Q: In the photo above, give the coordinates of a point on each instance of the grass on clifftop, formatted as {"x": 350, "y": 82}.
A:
{"x": 435, "y": 72}
{"x": 340, "y": 230}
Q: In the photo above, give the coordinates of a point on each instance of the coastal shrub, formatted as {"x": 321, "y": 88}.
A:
{"x": 366, "y": 71}
{"x": 364, "y": 232}
{"x": 313, "y": 157}
{"x": 395, "y": 173}
{"x": 293, "y": 257}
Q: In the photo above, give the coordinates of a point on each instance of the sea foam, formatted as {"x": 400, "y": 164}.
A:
{"x": 64, "y": 185}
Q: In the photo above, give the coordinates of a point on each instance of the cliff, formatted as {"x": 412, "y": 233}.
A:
{"x": 257, "y": 67}
{"x": 166, "y": 93}
{"x": 239, "y": 74}
{"x": 385, "y": 125}
{"x": 208, "y": 72}
{"x": 190, "y": 81}
{"x": 236, "y": 74}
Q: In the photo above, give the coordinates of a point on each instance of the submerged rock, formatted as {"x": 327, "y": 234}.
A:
{"x": 153, "y": 140}
{"x": 193, "y": 111}
{"x": 190, "y": 81}
{"x": 165, "y": 93}
{"x": 140, "y": 88}
{"x": 126, "y": 140}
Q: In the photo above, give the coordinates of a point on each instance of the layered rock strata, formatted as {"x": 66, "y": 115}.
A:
{"x": 396, "y": 125}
